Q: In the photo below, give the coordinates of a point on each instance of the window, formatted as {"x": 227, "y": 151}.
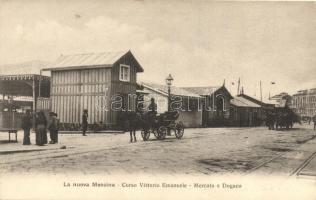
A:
{"x": 124, "y": 73}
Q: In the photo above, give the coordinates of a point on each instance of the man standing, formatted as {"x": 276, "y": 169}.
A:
{"x": 57, "y": 127}
{"x": 26, "y": 126}
{"x": 52, "y": 127}
{"x": 84, "y": 122}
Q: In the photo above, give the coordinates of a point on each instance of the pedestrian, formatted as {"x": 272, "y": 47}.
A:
{"x": 26, "y": 126}
{"x": 52, "y": 127}
{"x": 57, "y": 130}
{"x": 41, "y": 133}
{"x": 314, "y": 120}
{"x": 84, "y": 122}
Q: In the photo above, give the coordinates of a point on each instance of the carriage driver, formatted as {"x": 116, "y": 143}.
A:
{"x": 152, "y": 110}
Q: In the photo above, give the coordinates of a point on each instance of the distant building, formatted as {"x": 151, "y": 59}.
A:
{"x": 279, "y": 97}
{"x": 304, "y": 102}
{"x": 191, "y": 112}
{"x": 281, "y": 100}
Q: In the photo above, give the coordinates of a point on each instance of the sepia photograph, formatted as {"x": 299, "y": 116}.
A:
{"x": 139, "y": 99}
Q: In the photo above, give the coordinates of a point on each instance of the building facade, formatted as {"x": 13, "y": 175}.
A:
{"x": 190, "y": 106}
{"x": 304, "y": 103}
{"x": 244, "y": 112}
{"x": 100, "y": 83}
{"x": 216, "y": 105}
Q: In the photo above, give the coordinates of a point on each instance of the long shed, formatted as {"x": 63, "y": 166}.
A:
{"x": 191, "y": 104}
{"x": 95, "y": 82}
{"x": 244, "y": 112}
{"x": 216, "y": 104}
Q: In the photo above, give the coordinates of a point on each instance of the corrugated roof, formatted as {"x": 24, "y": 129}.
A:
{"x": 242, "y": 102}
{"x": 88, "y": 60}
{"x": 164, "y": 89}
{"x": 202, "y": 90}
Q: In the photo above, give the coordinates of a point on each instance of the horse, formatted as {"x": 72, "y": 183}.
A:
{"x": 131, "y": 121}
{"x": 270, "y": 120}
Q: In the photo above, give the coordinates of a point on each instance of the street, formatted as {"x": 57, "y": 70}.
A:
{"x": 202, "y": 151}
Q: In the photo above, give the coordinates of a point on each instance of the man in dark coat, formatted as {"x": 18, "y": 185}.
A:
{"x": 314, "y": 120}
{"x": 152, "y": 108}
{"x": 152, "y": 111}
{"x": 26, "y": 126}
{"x": 84, "y": 122}
{"x": 52, "y": 127}
{"x": 41, "y": 124}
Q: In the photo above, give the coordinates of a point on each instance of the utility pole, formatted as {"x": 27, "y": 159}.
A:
{"x": 238, "y": 86}
{"x": 260, "y": 91}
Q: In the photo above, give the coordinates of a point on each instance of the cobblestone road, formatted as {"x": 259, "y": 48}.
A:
{"x": 200, "y": 151}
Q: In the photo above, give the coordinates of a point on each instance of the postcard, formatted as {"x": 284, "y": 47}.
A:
{"x": 139, "y": 99}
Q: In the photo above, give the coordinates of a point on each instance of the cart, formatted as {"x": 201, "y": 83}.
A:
{"x": 162, "y": 125}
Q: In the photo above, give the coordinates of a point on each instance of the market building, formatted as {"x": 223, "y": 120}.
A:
{"x": 19, "y": 93}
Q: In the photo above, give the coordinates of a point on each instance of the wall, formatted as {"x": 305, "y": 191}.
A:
{"x": 75, "y": 90}
{"x": 192, "y": 119}
{"x": 304, "y": 104}
{"x": 214, "y": 116}
{"x": 161, "y": 100}
{"x": 43, "y": 104}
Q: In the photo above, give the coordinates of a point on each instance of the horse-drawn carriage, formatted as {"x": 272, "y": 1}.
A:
{"x": 281, "y": 118}
{"x": 160, "y": 125}
{"x": 163, "y": 125}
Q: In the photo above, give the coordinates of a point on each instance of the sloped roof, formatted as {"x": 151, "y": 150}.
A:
{"x": 202, "y": 90}
{"x": 242, "y": 102}
{"x": 163, "y": 89}
{"x": 92, "y": 60}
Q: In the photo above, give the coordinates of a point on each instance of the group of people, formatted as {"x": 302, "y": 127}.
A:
{"x": 42, "y": 124}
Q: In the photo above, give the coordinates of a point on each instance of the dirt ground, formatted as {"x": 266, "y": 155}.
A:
{"x": 200, "y": 151}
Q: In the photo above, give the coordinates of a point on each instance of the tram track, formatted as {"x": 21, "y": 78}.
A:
{"x": 298, "y": 170}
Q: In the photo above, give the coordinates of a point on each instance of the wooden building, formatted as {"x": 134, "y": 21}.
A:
{"x": 216, "y": 104}
{"x": 190, "y": 107}
{"x": 244, "y": 112}
{"x": 98, "y": 82}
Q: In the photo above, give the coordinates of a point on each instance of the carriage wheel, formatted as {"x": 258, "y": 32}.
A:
{"x": 145, "y": 134}
{"x": 162, "y": 132}
{"x": 179, "y": 130}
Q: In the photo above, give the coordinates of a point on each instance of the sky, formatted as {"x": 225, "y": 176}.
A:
{"x": 201, "y": 43}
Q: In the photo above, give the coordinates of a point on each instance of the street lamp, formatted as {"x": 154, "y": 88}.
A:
{"x": 169, "y": 80}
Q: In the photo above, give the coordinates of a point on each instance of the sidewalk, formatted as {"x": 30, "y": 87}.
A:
{"x": 70, "y": 140}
